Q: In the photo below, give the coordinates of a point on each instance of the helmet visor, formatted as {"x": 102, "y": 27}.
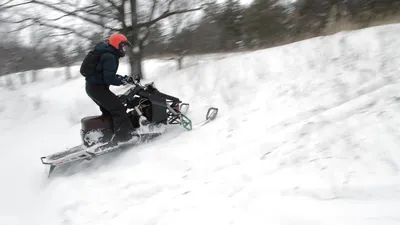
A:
{"x": 124, "y": 46}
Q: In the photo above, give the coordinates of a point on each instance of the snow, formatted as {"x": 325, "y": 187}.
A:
{"x": 307, "y": 133}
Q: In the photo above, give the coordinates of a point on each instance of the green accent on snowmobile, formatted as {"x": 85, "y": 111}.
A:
{"x": 186, "y": 122}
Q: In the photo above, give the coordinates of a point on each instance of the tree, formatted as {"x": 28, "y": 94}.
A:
{"x": 180, "y": 27}
{"x": 231, "y": 21}
{"x": 205, "y": 35}
{"x": 65, "y": 57}
{"x": 17, "y": 57}
{"x": 39, "y": 46}
{"x": 155, "y": 42}
{"x": 264, "y": 23}
{"x": 311, "y": 16}
{"x": 110, "y": 15}
{"x": 210, "y": 30}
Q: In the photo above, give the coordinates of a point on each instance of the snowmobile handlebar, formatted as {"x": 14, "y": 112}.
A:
{"x": 138, "y": 89}
{"x": 136, "y": 83}
{"x": 146, "y": 91}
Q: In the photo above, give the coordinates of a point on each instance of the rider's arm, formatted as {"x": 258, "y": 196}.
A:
{"x": 109, "y": 71}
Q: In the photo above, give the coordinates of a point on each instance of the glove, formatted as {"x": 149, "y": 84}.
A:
{"x": 127, "y": 80}
{"x": 137, "y": 78}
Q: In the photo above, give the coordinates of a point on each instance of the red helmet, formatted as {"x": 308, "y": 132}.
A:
{"x": 119, "y": 41}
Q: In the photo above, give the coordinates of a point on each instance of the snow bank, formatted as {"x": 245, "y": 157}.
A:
{"x": 308, "y": 133}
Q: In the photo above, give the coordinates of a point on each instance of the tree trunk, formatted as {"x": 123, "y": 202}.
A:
{"x": 135, "y": 63}
{"x": 181, "y": 55}
{"x": 34, "y": 75}
{"x": 9, "y": 83}
{"x": 68, "y": 75}
{"x": 135, "y": 58}
{"x": 22, "y": 77}
{"x": 179, "y": 58}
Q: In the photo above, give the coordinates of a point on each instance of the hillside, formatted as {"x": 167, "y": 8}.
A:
{"x": 307, "y": 133}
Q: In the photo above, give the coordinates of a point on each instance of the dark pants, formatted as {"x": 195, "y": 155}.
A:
{"x": 110, "y": 105}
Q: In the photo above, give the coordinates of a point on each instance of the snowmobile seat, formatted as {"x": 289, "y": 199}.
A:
{"x": 96, "y": 122}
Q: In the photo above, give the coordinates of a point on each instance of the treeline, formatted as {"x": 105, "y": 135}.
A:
{"x": 265, "y": 23}
{"x": 228, "y": 26}
{"x": 15, "y": 57}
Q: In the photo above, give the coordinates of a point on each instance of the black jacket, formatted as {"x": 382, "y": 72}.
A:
{"x": 107, "y": 67}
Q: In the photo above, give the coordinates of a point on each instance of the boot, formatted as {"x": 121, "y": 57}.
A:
{"x": 126, "y": 137}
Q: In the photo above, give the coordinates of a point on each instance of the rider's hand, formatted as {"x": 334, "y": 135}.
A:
{"x": 127, "y": 80}
{"x": 137, "y": 78}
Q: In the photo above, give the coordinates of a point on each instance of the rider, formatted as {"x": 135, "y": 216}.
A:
{"x": 97, "y": 85}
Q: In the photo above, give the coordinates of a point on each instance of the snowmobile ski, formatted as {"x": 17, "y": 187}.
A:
{"x": 212, "y": 113}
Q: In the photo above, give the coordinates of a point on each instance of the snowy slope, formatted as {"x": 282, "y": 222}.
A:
{"x": 307, "y": 133}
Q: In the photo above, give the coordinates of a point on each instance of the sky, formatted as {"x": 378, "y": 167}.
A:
{"x": 25, "y": 34}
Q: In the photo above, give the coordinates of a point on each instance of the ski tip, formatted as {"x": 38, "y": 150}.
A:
{"x": 212, "y": 113}
{"x": 184, "y": 108}
{"x": 51, "y": 170}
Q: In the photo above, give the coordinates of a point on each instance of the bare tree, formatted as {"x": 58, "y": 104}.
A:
{"x": 108, "y": 15}
{"x": 179, "y": 26}
{"x": 139, "y": 29}
{"x": 65, "y": 59}
{"x": 39, "y": 45}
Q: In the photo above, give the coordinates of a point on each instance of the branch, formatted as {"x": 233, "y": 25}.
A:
{"x": 153, "y": 9}
{"x": 72, "y": 14}
{"x": 163, "y": 16}
{"x": 19, "y": 21}
{"x": 19, "y": 29}
{"x": 75, "y": 11}
{"x": 88, "y": 10}
{"x": 63, "y": 34}
{"x": 4, "y": 6}
{"x": 113, "y": 5}
{"x": 27, "y": 19}
{"x": 37, "y": 21}
{"x": 68, "y": 29}
{"x": 1, "y": 5}
{"x": 169, "y": 5}
{"x": 59, "y": 9}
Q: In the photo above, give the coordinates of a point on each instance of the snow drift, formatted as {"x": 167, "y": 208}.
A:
{"x": 307, "y": 133}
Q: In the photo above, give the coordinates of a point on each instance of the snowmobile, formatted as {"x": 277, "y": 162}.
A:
{"x": 149, "y": 111}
